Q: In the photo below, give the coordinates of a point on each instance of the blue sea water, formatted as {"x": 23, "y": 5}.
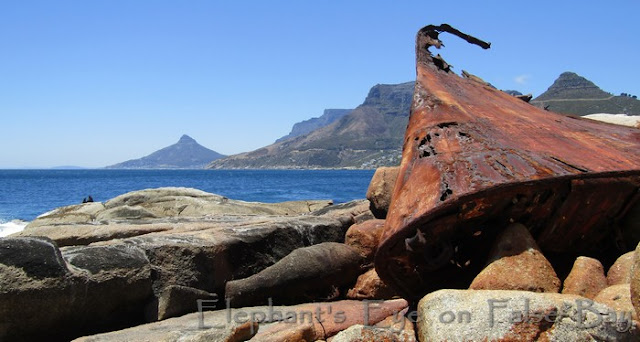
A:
{"x": 25, "y": 194}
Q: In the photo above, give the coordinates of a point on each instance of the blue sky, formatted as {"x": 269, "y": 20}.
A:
{"x": 93, "y": 83}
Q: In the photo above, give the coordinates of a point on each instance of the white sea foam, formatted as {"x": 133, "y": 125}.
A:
{"x": 7, "y": 228}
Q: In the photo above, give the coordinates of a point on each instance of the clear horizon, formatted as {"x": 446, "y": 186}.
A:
{"x": 96, "y": 83}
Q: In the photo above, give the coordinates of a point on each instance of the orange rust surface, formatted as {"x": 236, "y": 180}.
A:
{"x": 476, "y": 158}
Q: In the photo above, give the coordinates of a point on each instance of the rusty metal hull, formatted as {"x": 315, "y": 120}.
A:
{"x": 476, "y": 159}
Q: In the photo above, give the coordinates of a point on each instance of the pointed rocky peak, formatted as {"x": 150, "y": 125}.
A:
{"x": 185, "y": 139}
{"x": 571, "y": 86}
{"x": 185, "y": 154}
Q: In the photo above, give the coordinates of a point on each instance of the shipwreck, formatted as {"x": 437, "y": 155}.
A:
{"x": 476, "y": 159}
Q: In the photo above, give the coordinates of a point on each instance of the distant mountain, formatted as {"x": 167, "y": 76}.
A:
{"x": 185, "y": 154}
{"x": 328, "y": 117}
{"x": 513, "y": 92}
{"x": 574, "y": 94}
{"x": 368, "y": 137}
{"x": 68, "y": 167}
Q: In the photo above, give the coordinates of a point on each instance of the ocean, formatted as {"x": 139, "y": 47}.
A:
{"x": 25, "y": 194}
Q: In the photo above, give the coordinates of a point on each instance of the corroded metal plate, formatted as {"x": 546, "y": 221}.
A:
{"x": 476, "y": 159}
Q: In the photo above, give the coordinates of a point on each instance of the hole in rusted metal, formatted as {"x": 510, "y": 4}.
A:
{"x": 446, "y": 194}
{"x": 425, "y": 147}
{"x": 447, "y": 124}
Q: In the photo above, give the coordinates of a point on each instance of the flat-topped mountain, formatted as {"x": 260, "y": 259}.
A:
{"x": 328, "y": 117}
{"x": 574, "y": 94}
{"x": 368, "y": 137}
{"x": 185, "y": 154}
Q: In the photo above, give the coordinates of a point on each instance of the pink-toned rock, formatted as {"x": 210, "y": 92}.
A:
{"x": 516, "y": 263}
{"x": 380, "y": 190}
{"x": 370, "y": 286}
{"x": 364, "y": 237}
{"x": 635, "y": 281}
{"x": 319, "y": 321}
{"x": 287, "y": 332}
{"x": 586, "y": 278}
{"x": 617, "y": 297}
{"x": 398, "y": 322}
{"x": 620, "y": 271}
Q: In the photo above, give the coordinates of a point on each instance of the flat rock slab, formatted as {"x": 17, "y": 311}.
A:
{"x": 211, "y": 326}
{"x": 242, "y": 324}
{"x": 167, "y": 202}
{"x": 488, "y": 315}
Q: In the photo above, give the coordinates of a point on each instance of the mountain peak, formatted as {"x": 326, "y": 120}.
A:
{"x": 185, "y": 154}
{"x": 570, "y": 85}
{"x": 186, "y": 139}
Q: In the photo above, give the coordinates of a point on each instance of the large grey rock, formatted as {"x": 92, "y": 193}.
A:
{"x": 348, "y": 213}
{"x": 306, "y": 274}
{"x": 119, "y": 272}
{"x": 59, "y": 295}
{"x": 488, "y": 315}
{"x": 37, "y": 257}
{"x": 84, "y": 234}
{"x": 178, "y": 300}
{"x": 362, "y": 333}
{"x": 167, "y": 202}
{"x": 202, "y": 254}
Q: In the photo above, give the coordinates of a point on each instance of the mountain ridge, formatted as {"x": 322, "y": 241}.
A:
{"x": 367, "y": 137}
{"x": 328, "y": 117}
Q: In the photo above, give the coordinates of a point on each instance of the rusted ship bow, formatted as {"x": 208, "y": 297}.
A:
{"x": 476, "y": 159}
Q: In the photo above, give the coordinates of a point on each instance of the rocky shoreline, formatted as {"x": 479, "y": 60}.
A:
{"x": 142, "y": 265}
